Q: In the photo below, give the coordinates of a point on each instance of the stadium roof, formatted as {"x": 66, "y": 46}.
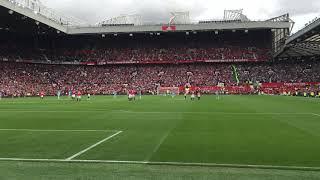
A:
{"x": 45, "y": 17}
{"x": 304, "y": 43}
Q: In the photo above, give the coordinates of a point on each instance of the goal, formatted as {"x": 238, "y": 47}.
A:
{"x": 168, "y": 90}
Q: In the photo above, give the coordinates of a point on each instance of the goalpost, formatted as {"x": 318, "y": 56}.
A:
{"x": 168, "y": 91}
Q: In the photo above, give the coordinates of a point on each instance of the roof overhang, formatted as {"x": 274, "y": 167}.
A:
{"x": 304, "y": 43}
{"x": 185, "y": 27}
{"x": 213, "y": 26}
{"x": 33, "y": 15}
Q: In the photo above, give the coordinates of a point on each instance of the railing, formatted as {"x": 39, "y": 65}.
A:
{"x": 100, "y": 63}
{"x": 37, "y": 8}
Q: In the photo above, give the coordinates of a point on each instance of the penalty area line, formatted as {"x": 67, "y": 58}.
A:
{"x": 92, "y": 146}
{"x": 302, "y": 168}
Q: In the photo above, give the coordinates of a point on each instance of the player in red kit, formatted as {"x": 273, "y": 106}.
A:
{"x": 41, "y": 94}
{"x": 79, "y": 96}
{"x": 131, "y": 95}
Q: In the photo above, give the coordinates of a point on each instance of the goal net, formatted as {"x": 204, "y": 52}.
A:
{"x": 168, "y": 90}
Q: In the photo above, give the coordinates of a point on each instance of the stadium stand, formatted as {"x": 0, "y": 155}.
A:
{"x": 37, "y": 54}
{"x": 22, "y": 79}
{"x": 19, "y": 79}
{"x": 141, "y": 55}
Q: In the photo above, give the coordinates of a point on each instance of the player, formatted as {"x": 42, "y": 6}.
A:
{"x": 59, "y": 94}
{"x": 173, "y": 94}
{"x": 89, "y": 97}
{"x": 114, "y": 94}
{"x": 140, "y": 94}
{"x": 312, "y": 94}
{"x": 198, "y": 95}
{"x": 131, "y": 95}
{"x": 41, "y": 94}
{"x": 73, "y": 96}
{"x": 70, "y": 93}
{"x": 187, "y": 89}
{"x": 0, "y": 95}
{"x": 79, "y": 96}
{"x": 193, "y": 96}
{"x": 217, "y": 95}
{"x": 134, "y": 92}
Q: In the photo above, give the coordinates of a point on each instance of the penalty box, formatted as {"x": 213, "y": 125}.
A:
{"x": 51, "y": 144}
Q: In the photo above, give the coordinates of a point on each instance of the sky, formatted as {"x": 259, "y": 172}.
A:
{"x": 158, "y": 11}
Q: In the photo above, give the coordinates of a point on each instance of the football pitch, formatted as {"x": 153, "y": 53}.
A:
{"x": 247, "y": 132}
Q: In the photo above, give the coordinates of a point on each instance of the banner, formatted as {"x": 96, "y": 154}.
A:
{"x": 137, "y": 62}
{"x": 211, "y": 89}
{"x": 88, "y": 63}
{"x": 279, "y": 85}
{"x": 169, "y": 28}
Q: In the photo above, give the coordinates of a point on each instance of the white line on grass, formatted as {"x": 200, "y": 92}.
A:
{"x": 28, "y": 160}
{"x": 156, "y": 112}
{"x": 92, "y": 146}
{"x": 163, "y": 138}
{"x": 59, "y": 130}
{"x": 316, "y": 114}
{"x": 167, "y": 163}
{"x": 156, "y": 148}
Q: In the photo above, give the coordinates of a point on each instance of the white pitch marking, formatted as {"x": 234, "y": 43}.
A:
{"x": 163, "y": 138}
{"x": 59, "y": 130}
{"x": 316, "y": 114}
{"x": 26, "y": 159}
{"x": 159, "y": 112}
{"x": 92, "y": 146}
{"x": 166, "y": 163}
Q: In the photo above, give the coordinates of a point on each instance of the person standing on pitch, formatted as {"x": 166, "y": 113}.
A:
{"x": 114, "y": 94}
{"x": 140, "y": 94}
{"x": 198, "y": 95}
{"x": 59, "y": 94}
{"x": 79, "y": 96}
{"x": 193, "y": 96}
{"x": 217, "y": 95}
{"x": 173, "y": 94}
{"x": 41, "y": 94}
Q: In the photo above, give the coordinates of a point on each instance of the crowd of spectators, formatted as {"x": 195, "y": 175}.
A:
{"x": 22, "y": 79}
{"x": 158, "y": 54}
{"x": 181, "y": 54}
{"x": 289, "y": 71}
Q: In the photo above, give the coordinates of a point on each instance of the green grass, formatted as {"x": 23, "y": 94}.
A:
{"x": 46, "y": 145}
{"x": 242, "y": 130}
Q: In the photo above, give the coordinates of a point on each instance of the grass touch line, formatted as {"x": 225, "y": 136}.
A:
{"x": 154, "y": 112}
{"x": 249, "y": 166}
